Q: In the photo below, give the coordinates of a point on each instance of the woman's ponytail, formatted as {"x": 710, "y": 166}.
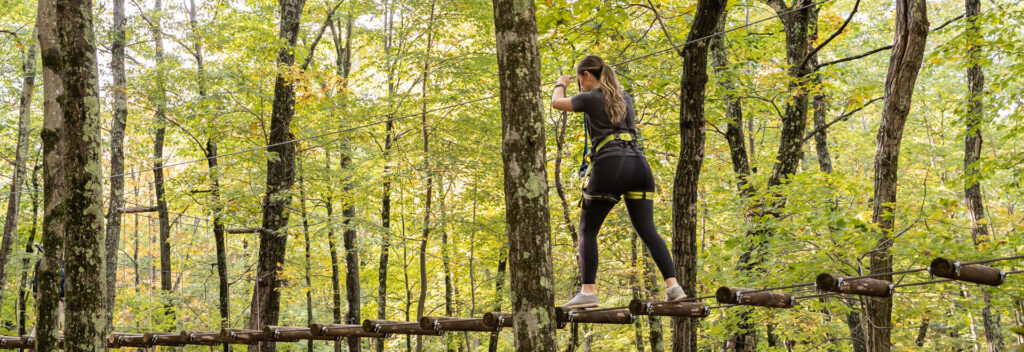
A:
{"x": 614, "y": 103}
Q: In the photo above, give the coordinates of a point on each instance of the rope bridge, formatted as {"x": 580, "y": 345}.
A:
{"x": 773, "y": 297}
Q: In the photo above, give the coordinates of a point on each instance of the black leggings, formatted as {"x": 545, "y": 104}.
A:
{"x": 610, "y": 178}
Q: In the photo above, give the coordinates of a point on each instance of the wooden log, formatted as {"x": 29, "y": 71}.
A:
{"x": 498, "y": 320}
{"x": 242, "y": 336}
{"x": 13, "y": 342}
{"x": 245, "y": 230}
{"x": 292, "y": 334}
{"x": 669, "y": 309}
{"x": 165, "y": 338}
{"x": 454, "y": 324}
{"x": 205, "y": 338}
{"x": 743, "y": 296}
{"x": 599, "y": 316}
{"x": 133, "y": 210}
{"x": 976, "y": 273}
{"x": 396, "y": 327}
{"x": 857, "y": 286}
{"x": 29, "y": 342}
{"x": 119, "y": 340}
{"x": 334, "y": 331}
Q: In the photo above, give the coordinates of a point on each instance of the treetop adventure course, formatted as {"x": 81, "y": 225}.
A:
{"x": 261, "y": 130}
{"x": 771, "y": 297}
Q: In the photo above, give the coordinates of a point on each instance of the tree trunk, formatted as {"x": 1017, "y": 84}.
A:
{"x": 118, "y": 123}
{"x": 634, "y": 288}
{"x": 385, "y": 201}
{"x": 160, "y": 101}
{"x": 305, "y": 235}
{"x": 908, "y": 50}
{"x": 691, "y": 157}
{"x": 266, "y": 302}
{"x": 84, "y": 256}
{"x": 50, "y": 272}
{"x": 972, "y": 156}
{"x": 420, "y": 305}
{"x": 499, "y": 283}
{"x": 216, "y": 207}
{"x": 733, "y": 109}
{"x": 526, "y": 185}
{"x": 446, "y": 265}
{"x": 653, "y": 279}
{"x": 20, "y": 156}
{"x": 211, "y": 154}
{"x": 29, "y": 249}
{"x": 343, "y": 50}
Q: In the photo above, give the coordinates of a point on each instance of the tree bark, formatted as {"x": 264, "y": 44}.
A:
{"x": 29, "y": 249}
{"x": 84, "y": 256}
{"x": 420, "y": 305}
{"x": 51, "y": 266}
{"x": 499, "y": 283}
{"x": 972, "y": 155}
{"x": 526, "y": 185}
{"x": 691, "y": 157}
{"x": 653, "y": 279}
{"x": 385, "y": 202}
{"x": 160, "y": 101}
{"x": 305, "y": 235}
{"x": 343, "y": 51}
{"x": 20, "y": 155}
{"x": 904, "y": 64}
{"x": 216, "y": 207}
{"x": 118, "y": 124}
{"x": 266, "y": 302}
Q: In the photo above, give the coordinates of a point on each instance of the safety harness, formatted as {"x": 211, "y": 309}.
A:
{"x": 585, "y": 164}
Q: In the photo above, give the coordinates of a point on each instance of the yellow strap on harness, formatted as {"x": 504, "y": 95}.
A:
{"x": 620, "y": 136}
{"x": 639, "y": 195}
{"x": 625, "y": 136}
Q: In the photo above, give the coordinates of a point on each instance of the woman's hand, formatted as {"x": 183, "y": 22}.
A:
{"x": 558, "y": 99}
{"x": 565, "y": 80}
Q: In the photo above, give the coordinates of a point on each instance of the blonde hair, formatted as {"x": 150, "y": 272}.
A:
{"x": 614, "y": 103}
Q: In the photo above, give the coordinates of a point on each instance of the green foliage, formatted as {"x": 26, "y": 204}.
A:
{"x": 825, "y": 225}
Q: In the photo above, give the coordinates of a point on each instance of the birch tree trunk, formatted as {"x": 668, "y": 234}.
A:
{"x": 904, "y": 64}
{"x": 691, "y": 156}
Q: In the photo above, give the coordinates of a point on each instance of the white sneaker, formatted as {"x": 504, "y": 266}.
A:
{"x": 675, "y": 293}
{"x": 582, "y": 300}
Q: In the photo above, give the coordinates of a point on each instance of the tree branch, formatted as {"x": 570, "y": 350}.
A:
{"x": 842, "y": 117}
{"x": 11, "y": 33}
{"x": 887, "y": 47}
{"x": 835, "y": 34}
{"x": 850, "y": 58}
{"x": 320, "y": 34}
{"x": 663, "y": 29}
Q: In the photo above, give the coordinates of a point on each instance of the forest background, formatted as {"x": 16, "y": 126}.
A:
{"x": 417, "y": 118}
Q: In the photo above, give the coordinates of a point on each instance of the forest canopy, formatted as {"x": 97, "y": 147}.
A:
{"x": 380, "y": 182}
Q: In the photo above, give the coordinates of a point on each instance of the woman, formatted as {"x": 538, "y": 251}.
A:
{"x": 618, "y": 169}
